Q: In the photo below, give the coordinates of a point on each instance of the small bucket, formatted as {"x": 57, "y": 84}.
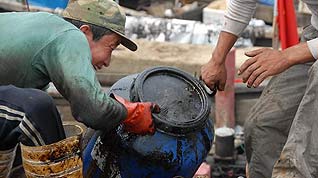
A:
{"x": 60, "y": 159}
{"x": 6, "y": 161}
{"x": 224, "y": 142}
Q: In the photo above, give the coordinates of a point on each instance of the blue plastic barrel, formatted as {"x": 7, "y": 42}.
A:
{"x": 52, "y": 4}
{"x": 182, "y": 139}
{"x": 156, "y": 156}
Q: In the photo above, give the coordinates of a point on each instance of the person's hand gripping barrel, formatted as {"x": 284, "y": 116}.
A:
{"x": 139, "y": 118}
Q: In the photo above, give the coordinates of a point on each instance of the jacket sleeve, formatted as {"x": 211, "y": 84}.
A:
{"x": 313, "y": 47}
{"x": 238, "y": 15}
{"x": 67, "y": 62}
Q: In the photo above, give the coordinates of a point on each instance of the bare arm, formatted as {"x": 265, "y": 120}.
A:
{"x": 225, "y": 43}
{"x": 237, "y": 18}
{"x": 267, "y": 62}
{"x": 214, "y": 72}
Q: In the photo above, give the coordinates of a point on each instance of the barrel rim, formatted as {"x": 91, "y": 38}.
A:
{"x": 161, "y": 124}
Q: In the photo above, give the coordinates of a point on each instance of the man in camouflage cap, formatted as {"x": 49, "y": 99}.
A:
{"x": 100, "y": 13}
{"x": 39, "y": 48}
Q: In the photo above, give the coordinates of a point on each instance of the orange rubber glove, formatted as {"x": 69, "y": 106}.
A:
{"x": 139, "y": 119}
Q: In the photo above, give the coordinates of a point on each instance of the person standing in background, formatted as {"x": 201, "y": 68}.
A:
{"x": 281, "y": 128}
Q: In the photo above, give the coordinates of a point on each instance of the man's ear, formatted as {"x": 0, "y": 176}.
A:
{"x": 86, "y": 29}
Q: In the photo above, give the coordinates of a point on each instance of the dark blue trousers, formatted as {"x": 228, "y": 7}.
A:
{"x": 28, "y": 116}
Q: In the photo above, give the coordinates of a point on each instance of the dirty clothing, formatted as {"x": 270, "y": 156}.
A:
{"x": 299, "y": 157}
{"x": 286, "y": 108}
{"x": 28, "y": 116}
{"x": 38, "y": 48}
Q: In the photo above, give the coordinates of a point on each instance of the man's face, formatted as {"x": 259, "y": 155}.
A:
{"x": 102, "y": 49}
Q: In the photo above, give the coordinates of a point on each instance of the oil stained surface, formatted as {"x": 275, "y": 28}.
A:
{"x": 179, "y": 101}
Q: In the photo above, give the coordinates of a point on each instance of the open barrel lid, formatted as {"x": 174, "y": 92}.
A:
{"x": 184, "y": 105}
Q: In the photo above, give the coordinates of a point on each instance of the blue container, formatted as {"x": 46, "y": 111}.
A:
{"x": 179, "y": 145}
{"x": 267, "y": 2}
{"x": 52, "y": 4}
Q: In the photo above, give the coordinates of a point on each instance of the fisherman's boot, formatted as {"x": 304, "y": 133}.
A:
{"x": 60, "y": 159}
{"x": 6, "y": 161}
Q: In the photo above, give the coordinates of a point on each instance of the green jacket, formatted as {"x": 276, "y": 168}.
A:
{"x": 38, "y": 48}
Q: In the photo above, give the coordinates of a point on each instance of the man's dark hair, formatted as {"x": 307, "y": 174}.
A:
{"x": 97, "y": 31}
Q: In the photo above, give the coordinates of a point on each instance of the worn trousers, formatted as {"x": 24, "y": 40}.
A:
{"x": 28, "y": 116}
{"x": 282, "y": 126}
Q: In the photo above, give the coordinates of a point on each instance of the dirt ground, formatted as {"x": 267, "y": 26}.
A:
{"x": 187, "y": 57}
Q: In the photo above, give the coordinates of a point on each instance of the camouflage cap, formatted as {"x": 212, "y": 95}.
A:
{"x": 104, "y": 13}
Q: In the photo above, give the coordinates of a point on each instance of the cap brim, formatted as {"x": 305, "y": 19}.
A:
{"x": 127, "y": 42}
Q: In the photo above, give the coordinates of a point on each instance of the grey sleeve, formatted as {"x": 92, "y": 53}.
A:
{"x": 238, "y": 15}
{"x": 313, "y": 47}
